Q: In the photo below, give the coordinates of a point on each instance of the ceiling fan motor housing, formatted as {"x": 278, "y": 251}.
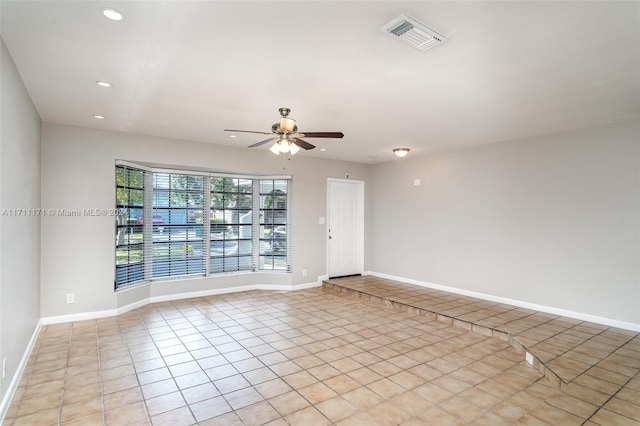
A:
{"x": 277, "y": 128}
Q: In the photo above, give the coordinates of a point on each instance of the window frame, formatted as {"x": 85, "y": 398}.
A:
{"x": 151, "y": 209}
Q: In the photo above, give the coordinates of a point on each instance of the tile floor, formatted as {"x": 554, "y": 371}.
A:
{"x": 313, "y": 357}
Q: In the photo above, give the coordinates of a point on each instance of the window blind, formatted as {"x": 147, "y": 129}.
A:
{"x": 274, "y": 221}
{"x": 231, "y": 221}
{"x": 176, "y": 223}
{"x": 129, "y": 231}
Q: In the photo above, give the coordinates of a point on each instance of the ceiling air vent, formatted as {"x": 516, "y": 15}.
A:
{"x": 414, "y": 33}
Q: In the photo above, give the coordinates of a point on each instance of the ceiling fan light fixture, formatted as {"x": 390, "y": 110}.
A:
{"x": 275, "y": 148}
{"x": 293, "y": 148}
{"x": 284, "y": 146}
{"x": 401, "y": 152}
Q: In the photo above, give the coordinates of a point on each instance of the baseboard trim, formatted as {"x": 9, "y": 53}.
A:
{"x": 177, "y": 296}
{"x": 227, "y": 290}
{"x": 15, "y": 381}
{"x": 547, "y": 309}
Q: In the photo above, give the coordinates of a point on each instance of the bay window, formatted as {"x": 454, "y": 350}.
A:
{"x": 180, "y": 223}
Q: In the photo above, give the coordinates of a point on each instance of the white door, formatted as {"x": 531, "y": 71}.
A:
{"x": 345, "y": 227}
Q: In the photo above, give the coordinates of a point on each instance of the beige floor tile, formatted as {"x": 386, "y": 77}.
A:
{"x": 228, "y": 419}
{"x": 358, "y": 419}
{"x": 411, "y": 403}
{"x": 41, "y": 417}
{"x": 257, "y": 414}
{"x": 317, "y": 392}
{"x": 508, "y": 412}
{"x": 92, "y": 420}
{"x": 300, "y": 379}
{"x": 44, "y": 389}
{"x": 273, "y": 388}
{"x": 605, "y": 417}
{"x": 364, "y": 375}
{"x": 386, "y": 388}
{"x": 127, "y": 414}
{"x": 342, "y": 383}
{"x": 351, "y": 361}
{"x": 37, "y": 403}
{"x": 629, "y": 394}
{"x": 122, "y": 383}
{"x": 289, "y": 402}
{"x": 122, "y": 398}
{"x": 556, "y": 416}
{"x": 76, "y": 410}
{"x": 162, "y": 387}
{"x": 597, "y": 384}
{"x": 231, "y": 383}
{"x": 178, "y": 416}
{"x": 438, "y": 416}
{"x": 388, "y": 414}
{"x": 323, "y": 372}
{"x": 163, "y": 403}
{"x": 572, "y": 405}
{"x": 307, "y": 416}
{"x": 210, "y": 408}
{"x": 624, "y": 408}
{"x": 363, "y": 398}
{"x": 243, "y": 397}
{"x": 336, "y": 409}
{"x": 480, "y": 398}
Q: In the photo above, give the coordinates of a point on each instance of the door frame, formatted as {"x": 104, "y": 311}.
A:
{"x": 360, "y": 229}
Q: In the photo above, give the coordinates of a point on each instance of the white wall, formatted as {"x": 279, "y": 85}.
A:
{"x": 78, "y": 173}
{"x": 553, "y": 221}
{"x": 19, "y": 233}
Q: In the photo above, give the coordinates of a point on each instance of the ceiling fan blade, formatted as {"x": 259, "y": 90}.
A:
{"x": 247, "y": 131}
{"x": 263, "y": 142}
{"x": 302, "y": 144}
{"x": 321, "y": 134}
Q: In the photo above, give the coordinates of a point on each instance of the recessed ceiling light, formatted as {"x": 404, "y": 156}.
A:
{"x": 373, "y": 157}
{"x": 232, "y": 136}
{"x": 104, "y": 84}
{"x": 323, "y": 149}
{"x": 113, "y": 14}
{"x": 99, "y": 117}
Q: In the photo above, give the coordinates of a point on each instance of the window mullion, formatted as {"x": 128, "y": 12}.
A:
{"x": 147, "y": 227}
{"x": 289, "y": 228}
{"x": 255, "y": 228}
{"x": 206, "y": 225}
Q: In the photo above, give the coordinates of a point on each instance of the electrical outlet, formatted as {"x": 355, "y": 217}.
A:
{"x": 4, "y": 367}
{"x": 529, "y": 358}
{"x": 304, "y": 272}
{"x": 70, "y": 298}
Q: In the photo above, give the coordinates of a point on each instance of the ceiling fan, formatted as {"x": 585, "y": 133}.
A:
{"x": 286, "y": 137}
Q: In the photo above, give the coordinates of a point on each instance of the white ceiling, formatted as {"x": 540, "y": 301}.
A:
{"x": 189, "y": 69}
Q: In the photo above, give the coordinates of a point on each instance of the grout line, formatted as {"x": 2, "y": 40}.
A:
{"x": 613, "y": 396}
